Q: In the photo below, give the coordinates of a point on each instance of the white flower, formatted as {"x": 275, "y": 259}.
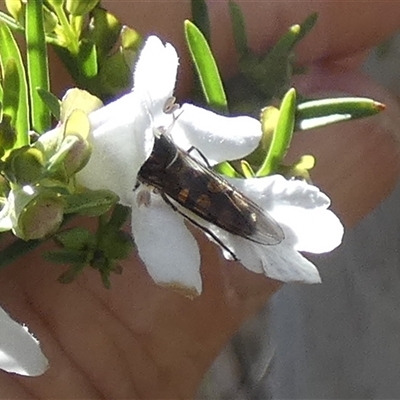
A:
{"x": 19, "y": 350}
{"x": 123, "y": 139}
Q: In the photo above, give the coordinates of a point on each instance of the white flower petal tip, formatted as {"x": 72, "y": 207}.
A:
{"x": 220, "y": 138}
{"x": 302, "y": 212}
{"x": 155, "y": 73}
{"x": 165, "y": 245}
{"x": 19, "y": 351}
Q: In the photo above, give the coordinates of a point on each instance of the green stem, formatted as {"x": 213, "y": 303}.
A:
{"x": 38, "y": 71}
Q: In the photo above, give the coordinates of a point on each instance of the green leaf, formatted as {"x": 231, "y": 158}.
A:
{"x": 239, "y": 28}
{"x": 307, "y": 25}
{"x": 90, "y": 202}
{"x": 130, "y": 39}
{"x": 80, "y": 7}
{"x": 87, "y": 59}
{"x": 51, "y": 101}
{"x": 317, "y": 113}
{"x": 247, "y": 169}
{"x": 66, "y": 256}
{"x": 270, "y": 75}
{"x": 19, "y": 107}
{"x": 226, "y": 169}
{"x": 282, "y": 135}
{"x": 206, "y": 68}
{"x": 38, "y": 73}
{"x": 76, "y": 238}
{"x": 115, "y": 75}
{"x": 11, "y": 22}
{"x": 201, "y": 18}
{"x": 103, "y": 31}
{"x": 119, "y": 217}
{"x": 11, "y": 83}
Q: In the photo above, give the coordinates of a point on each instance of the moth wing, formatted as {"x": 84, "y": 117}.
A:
{"x": 231, "y": 210}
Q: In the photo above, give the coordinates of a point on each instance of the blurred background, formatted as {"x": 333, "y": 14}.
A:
{"x": 337, "y": 340}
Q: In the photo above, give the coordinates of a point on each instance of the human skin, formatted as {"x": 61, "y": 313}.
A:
{"x": 139, "y": 340}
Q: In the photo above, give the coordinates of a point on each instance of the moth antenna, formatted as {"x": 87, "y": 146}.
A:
{"x": 170, "y": 107}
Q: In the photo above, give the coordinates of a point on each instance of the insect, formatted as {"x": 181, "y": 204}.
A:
{"x": 183, "y": 181}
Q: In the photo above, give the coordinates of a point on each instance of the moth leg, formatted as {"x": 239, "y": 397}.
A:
{"x": 219, "y": 241}
{"x": 203, "y": 157}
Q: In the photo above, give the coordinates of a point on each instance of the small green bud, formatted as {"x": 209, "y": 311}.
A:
{"x": 24, "y": 165}
{"x": 104, "y": 30}
{"x": 80, "y": 7}
{"x": 50, "y": 20}
{"x": 71, "y": 157}
{"x": 37, "y": 212}
{"x": 300, "y": 169}
{"x": 77, "y": 156}
{"x": 17, "y": 9}
{"x": 77, "y": 99}
{"x": 130, "y": 39}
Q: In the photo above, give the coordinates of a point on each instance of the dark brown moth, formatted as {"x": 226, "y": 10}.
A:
{"x": 180, "y": 178}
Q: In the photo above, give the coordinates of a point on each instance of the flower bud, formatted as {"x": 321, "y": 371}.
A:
{"x": 80, "y": 7}
{"x": 17, "y": 9}
{"x": 24, "y": 165}
{"x": 37, "y": 212}
{"x": 104, "y": 30}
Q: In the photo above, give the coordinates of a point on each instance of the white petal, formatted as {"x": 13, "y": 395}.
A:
{"x": 299, "y": 207}
{"x": 281, "y": 262}
{"x": 165, "y": 245}
{"x": 218, "y": 137}
{"x": 120, "y": 145}
{"x": 19, "y": 350}
{"x": 155, "y": 74}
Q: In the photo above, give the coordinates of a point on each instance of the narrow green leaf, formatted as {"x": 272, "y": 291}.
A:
{"x": 66, "y": 256}
{"x": 11, "y": 82}
{"x": 317, "y": 113}
{"x": 91, "y": 202}
{"x": 103, "y": 30}
{"x": 282, "y": 135}
{"x": 307, "y": 25}
{"x": 9, "y": 51}
{"x": 206, "y": 67}
{"x": 247, "y": 169}
{"x": 51, "y": 101}
{"x": 239, "y": 28}
{"x": 201, "y": 18}
{"x": 87, "y": 59}
{"x": 11, "y": 22}
{"x": 38, "y": 73}
{"x": 119, "y": 217}
{"x": 76, "y": 238}
{"x": 226, "y": 169}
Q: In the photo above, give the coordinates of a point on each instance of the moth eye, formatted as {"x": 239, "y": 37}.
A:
{"x": 170, "y": 106}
